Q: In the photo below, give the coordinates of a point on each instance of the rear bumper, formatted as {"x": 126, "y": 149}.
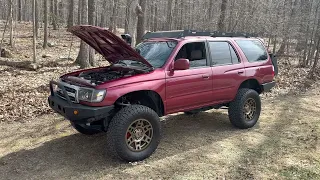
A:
{"x": 268, "y": 86}
{"x": 76, "y": 112}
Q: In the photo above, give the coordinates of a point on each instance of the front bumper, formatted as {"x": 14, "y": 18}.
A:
{"x": 76, "y": 112}
{"x": 268, "y": 86}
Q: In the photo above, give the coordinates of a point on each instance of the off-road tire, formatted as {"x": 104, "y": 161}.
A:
{"x": 83, "y": 130}
{"x": 117, "y": 131}
{"x": 236, "y": 108}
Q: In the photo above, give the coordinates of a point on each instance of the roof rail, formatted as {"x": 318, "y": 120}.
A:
{"x": 184, "y": 33}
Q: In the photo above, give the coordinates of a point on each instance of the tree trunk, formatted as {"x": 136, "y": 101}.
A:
{"x": 19, "y": 10}
{"x": 79, "y": 11}
{"x": 221, "y": 25}
{"x": 169, "y": 15}
{"x": 83, "y": 56}
{"x": 316, "y": 60}
{"x": 133, "y": 11}
{"x": 71, "y": 15}
{"x": 45, "y": 30}
{"x": 11, "y": 43}
{"x": 141, "y": 21}
{"x": 37, "y": 18}
{"x": 91, "y": 19}
{"x": 55, "y": 15}
{"x": 155, "y": 18}
{"x": 113, "y": 17}
{"x": 103, "y": 22}
{"x": 34, "y": 30}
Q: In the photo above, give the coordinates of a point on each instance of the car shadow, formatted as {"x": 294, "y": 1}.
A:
{"x": 77, "y": 155}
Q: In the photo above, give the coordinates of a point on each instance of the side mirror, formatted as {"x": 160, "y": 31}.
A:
{"x": 181, "y": 64}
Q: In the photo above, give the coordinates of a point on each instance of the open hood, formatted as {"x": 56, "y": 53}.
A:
{"x": 112, "y": 47}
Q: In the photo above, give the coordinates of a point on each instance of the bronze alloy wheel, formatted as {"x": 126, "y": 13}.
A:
{"x": 249, "y": 109}
{"x": 139, "y": 135}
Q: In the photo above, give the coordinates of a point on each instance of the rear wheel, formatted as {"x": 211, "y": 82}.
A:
{"x": 244, "y": 111}
{"x": 134, "y": 133}
{"x": 84, "y": 129}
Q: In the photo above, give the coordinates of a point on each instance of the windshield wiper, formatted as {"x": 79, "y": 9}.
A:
{"x": 141, "y": 64}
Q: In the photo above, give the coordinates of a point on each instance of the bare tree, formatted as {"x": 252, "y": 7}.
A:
{"x": 133, "y": 10}
{"x": 91, "y": 21}
{"x": 83, "y": 56}
{"x": 54, "y": 14}
{"x": 34, "y": 30}
{"x": 221, "y": 23}
{"x": 19, "y": 10}
{"x": 45, "y": 29}
{"x": 141, "y": 21}
{"x": 169, "y": 15}
{"x": 11, "y": 23}
{"x": 71, "y": 15}
{"x": 113, "y": 17}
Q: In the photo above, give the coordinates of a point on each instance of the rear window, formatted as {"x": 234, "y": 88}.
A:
{"x": 253, "y": 50}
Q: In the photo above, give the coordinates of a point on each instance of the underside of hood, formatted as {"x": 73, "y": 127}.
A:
{"x": 112, "y": 47}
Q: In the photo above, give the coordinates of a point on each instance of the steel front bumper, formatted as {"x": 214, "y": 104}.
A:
{"x": 73, "y": 111}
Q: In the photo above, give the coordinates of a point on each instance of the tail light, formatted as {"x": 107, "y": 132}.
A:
{"x": 273, "y": 73}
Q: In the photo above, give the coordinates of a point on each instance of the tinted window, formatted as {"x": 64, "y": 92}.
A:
{"x": 156, "y": 53}
{"x": 234, "y": 56}
{"x": 253, "y": 49}
{"x": 220, "y": 53}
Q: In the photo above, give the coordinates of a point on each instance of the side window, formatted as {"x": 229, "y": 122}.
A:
{"x": 220, "y": 52}
{"x": 253, "y": 50}
{"x": 195, "y": 52}
{"x": 234, "y": 56}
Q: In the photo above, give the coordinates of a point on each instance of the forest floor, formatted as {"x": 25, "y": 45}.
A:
{"x": 35, "y": 143}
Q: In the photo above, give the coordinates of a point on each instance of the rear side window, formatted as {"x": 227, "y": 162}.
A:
{"x": 220, "y": 53}
{"x": 253, "y": 50}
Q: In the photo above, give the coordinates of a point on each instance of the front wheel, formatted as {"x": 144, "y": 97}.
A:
{"x": 244, "y": 111}
{"x": 134, "y": 133}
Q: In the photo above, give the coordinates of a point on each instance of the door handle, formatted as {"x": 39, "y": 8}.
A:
{"x": 240, "y": 72}
{"x": 205, "y": 76}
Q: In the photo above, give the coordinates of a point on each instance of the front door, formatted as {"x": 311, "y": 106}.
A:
{"x": 192, "y": 88}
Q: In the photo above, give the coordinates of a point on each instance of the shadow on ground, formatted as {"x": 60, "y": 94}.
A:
{"x": 78, "y": 155}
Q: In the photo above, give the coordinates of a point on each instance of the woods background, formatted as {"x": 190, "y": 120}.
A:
{"x": 286, "y": 22}
{"x": 290, "y": 28}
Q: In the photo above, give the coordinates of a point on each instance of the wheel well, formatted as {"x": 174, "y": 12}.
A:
{"x": 251, "y": 84}
{"x": 147, "y": 98}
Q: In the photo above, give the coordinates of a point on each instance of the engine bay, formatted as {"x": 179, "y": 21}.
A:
{"x": 98, "y": 76}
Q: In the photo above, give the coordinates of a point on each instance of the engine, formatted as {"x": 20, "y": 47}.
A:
{"x": 99, "y": 77}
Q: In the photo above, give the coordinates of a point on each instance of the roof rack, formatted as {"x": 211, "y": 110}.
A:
{"x": 184, "y": 33}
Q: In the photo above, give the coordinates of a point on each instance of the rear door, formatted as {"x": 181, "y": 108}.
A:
{"x": 228, "y": 70}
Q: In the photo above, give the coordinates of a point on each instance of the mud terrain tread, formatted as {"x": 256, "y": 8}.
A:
{"x": 235, "y": 109}
{"x": 120, "y": 123}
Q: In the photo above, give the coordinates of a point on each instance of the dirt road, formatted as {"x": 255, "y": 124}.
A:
{"x": 284, "y": 145}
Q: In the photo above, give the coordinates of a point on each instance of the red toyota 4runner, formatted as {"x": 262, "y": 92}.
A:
{"x": 169, "y": 72}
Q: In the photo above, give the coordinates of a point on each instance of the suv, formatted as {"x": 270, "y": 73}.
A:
{"x": 169, "y": 72}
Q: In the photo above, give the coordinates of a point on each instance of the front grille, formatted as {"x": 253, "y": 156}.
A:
{"x": 70, "y": 91}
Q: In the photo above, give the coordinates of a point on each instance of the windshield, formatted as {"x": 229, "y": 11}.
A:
{"x": 156, "y": 53}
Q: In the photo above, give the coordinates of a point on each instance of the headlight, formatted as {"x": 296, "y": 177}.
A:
{"x": 91, "y": 95}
